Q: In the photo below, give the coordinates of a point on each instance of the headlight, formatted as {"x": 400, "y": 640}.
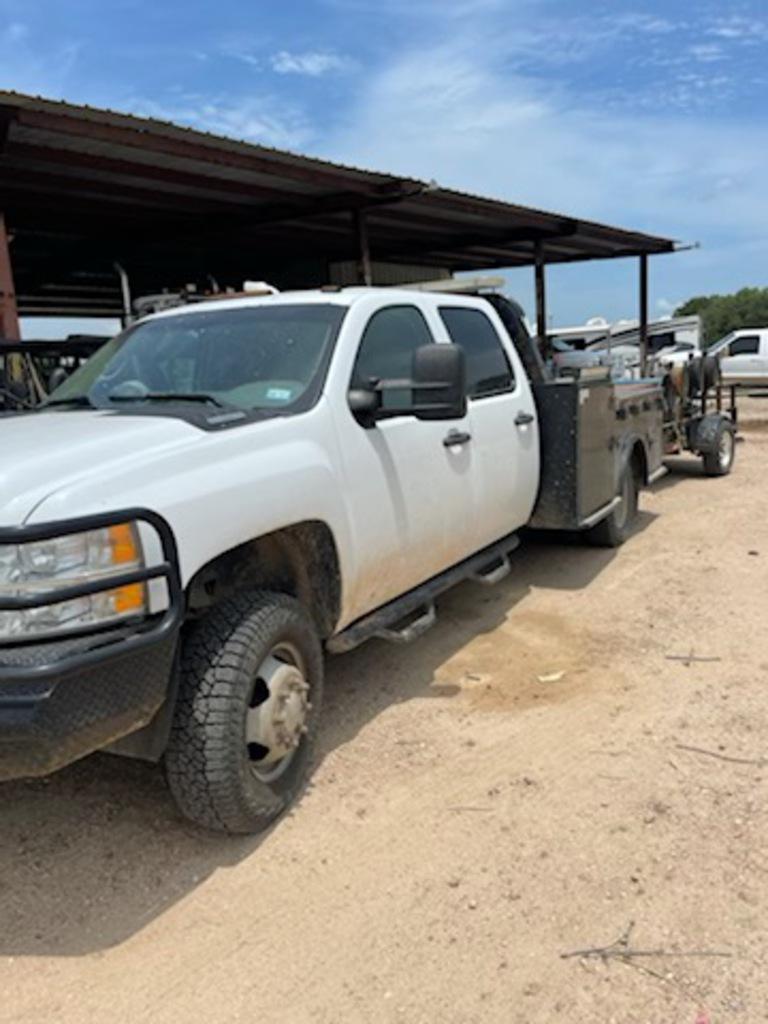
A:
{"x": 49, "y": 566}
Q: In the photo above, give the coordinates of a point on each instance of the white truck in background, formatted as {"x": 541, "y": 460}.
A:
{"x": 228, "y": 488}
{"x": 743, "y": 356}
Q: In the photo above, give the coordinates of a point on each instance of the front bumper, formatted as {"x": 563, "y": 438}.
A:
{"x": 78, "y": 706}
{"x": 63, "y": 699}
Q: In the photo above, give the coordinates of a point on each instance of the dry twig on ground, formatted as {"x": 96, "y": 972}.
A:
{"x": 720, "y": 757}
{"x": 620, "y": 950}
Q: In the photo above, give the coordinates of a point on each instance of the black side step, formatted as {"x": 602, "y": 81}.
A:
{"x": 494, "y": 572}
{"x": 410, "y": 631}
{"x": 384, "y": 621}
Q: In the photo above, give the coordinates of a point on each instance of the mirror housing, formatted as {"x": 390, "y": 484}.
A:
{"x": 437, "y": 385}
{"x": 364, "y": 404}
{"x": 439, "y": 382}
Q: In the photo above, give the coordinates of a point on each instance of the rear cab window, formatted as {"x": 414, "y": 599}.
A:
{"x": 489, "y": 371}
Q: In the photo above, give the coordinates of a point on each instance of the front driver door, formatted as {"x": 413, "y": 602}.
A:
{"x": 410, "y": 493}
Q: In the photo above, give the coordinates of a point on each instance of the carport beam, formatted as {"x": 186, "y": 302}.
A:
{"x": 541, "y": 296}
{"x": 361, "y": 228}
{"x": 643, "y": 314}
{"x": 9, "y": 317}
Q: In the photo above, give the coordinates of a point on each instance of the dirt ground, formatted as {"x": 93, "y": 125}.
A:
{"x": 535, "y": 774}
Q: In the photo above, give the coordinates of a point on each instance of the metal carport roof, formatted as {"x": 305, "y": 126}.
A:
{"x": 82, "y": 188}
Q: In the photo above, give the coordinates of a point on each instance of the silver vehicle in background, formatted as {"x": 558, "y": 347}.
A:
{"x": 743, "y": 356}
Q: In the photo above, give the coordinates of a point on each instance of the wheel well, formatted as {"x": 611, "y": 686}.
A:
{"x": 638, "y": 459}
{"x": 639, "y": 462}
{"x": 299, "y": 560}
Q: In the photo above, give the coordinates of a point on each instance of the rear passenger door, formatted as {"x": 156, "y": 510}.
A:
{"x": 502, "y": 422}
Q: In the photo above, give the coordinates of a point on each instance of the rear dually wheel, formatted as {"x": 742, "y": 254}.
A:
{"x": 612, "y": 531}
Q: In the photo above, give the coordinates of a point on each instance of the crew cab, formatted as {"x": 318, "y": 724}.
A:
{"x": 227, "y": 490}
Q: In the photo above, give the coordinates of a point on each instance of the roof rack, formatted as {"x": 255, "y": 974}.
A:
{"x": 459, "y": 285}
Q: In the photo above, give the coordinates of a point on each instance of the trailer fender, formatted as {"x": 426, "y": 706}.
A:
{"x": 634, "y": 452}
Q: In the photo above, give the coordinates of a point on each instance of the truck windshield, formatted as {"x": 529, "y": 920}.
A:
{"x": 270, "y": 357}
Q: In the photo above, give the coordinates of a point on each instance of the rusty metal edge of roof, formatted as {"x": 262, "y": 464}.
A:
{"x": 431, "y": 189}
{"x": 153, "y": 125}
{"x": 668, "y": 244}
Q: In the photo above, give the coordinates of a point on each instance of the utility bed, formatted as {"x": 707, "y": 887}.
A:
{"x": 589, "y": 425}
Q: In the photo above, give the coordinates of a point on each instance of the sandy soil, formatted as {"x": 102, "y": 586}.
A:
{"x": 519, "y": 784}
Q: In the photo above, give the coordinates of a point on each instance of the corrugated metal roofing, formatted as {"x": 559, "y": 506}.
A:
{"x": 83, "y": 188}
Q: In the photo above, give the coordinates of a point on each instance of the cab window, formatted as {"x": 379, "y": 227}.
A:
{"x": 386, "y": 350}
{"x": 488, "y": 368}
{"x": 746, "y": 346}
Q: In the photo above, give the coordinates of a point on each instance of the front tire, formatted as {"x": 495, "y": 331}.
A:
{"x": 246, "y": 715}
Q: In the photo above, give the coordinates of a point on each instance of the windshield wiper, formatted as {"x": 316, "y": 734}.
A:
{"x": 170, "y": 396}
{"x": 80, "y": 401}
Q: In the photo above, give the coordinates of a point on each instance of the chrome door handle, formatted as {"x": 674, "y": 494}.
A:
{"x": 456, "y": 437}
{"x": 523, "y": 419}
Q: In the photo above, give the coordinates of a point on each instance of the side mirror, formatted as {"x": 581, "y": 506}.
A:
{"x": 437, "y": 387}
{"x": 364, "y": 405}
{"x": 439, "y": 377}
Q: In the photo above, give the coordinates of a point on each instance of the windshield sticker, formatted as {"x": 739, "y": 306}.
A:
{"x": 279, "y": 394}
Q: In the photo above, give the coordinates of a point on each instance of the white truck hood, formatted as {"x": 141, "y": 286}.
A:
{"x": 44, "y": 451}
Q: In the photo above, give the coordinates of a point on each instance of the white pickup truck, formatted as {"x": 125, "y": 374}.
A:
{"x": 226, "y": 489}
{"x": 743, "y": 356}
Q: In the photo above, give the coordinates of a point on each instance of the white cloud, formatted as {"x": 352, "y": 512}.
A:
{"x": 739, "y": 28}
{"x": 454, "y": 112}
{"x": 312, "y": 63}
{"x": 268, "y": 120}
{"x": 706, "y": 52}
{"x": 434, "y": 11}
{"x": 645, "y": 23}
{"x": 247, "y": 58}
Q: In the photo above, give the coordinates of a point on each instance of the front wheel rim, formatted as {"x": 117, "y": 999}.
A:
{"x": 278, "y": 709}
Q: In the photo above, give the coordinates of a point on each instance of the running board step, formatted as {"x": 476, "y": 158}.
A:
{"x": 494, "y": 572}
{"x": 488, "y": 566}
{"x": 412, "y": 631}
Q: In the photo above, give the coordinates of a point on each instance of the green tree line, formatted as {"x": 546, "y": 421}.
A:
{"x": 721, "y": 314}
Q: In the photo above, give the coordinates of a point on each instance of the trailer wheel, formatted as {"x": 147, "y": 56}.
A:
{"x": 704, "y": 374}
{"x": 718, "y": 461}
{"x": 612, "y": 531}
{"x": 247, "y": 712}
{"x": 711, "y": 372}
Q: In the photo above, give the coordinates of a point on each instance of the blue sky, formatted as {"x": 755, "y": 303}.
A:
{"x": 648, "y": 115}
